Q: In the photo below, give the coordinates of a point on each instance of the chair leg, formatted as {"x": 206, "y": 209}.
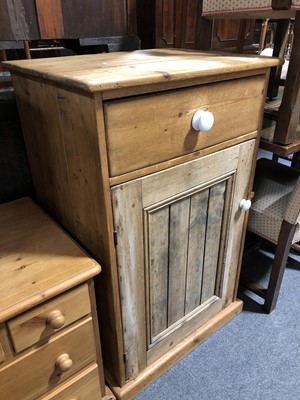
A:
{"x": 281, "y": 255}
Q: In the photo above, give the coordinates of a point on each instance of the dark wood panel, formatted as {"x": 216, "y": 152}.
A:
{"x": 165, "y": 23}
{"x": 92, "y": 18}
{"x": 18, "y": 20}
{"x": 6, "y": 32}
{"x": 51, "y": 19}
{"x": 169, "y": 23}
{"x": 191, "y": 14}
{"x": 226, "y": 33}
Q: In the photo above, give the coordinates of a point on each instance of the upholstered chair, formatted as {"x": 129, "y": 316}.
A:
{"x": 275, "y": 216}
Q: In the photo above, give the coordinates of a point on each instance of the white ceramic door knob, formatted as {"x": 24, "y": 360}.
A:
{"x": 245, "y": 204}
{"x": 202, "y": 121}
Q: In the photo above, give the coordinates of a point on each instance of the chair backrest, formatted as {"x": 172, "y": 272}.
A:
{"x": 292, "y": 212}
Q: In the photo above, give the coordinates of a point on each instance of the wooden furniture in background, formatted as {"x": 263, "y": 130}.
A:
{"x": 275, "y": 216}
{"x": 49, "y": 340}
{"x": 115, "y": 159}
{"x": 287, "y": 113}
{"x": 169, "y": 23}
{"x": 111, "y": 22}
{"x": 235, "y": 35}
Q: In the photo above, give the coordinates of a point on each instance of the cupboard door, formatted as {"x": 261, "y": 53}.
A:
{"x": 178, "y": 249}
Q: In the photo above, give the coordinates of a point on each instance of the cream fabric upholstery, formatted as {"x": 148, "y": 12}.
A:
{"x": 255, "y": 8}
{"x": 277, "y": 197}
{"x": 292, "y": 213}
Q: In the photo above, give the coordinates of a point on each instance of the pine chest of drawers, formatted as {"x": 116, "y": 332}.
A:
{"x": 49, "y": 341}
{"x": 145, "y": 157}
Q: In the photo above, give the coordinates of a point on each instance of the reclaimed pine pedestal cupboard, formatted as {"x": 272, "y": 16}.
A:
{"x": 115, "y": 158}
{"x": 49, "y": 339}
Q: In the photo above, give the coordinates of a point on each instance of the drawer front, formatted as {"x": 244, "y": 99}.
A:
{"x": 149, "y": 129}
{"x": 37, "y": 372}
{"x": 6, "y": 351}
{"x": 84, "y": 386}
{"x": 41, "y": 322}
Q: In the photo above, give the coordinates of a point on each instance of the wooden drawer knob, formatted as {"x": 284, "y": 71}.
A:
{"x": 56, "y": 319}
{"x": 202, "y": 121}
{"x": 64, "y": 362}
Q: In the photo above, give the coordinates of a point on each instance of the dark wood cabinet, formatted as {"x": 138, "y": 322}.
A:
{"x": 231, "y": 35}
{"x": 178, "y": 23}
{"x": 168, "y": 23}
{"x": 67, "y": 19}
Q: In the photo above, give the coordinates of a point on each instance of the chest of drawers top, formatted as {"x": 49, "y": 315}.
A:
{"x": 38, "y": 260}
{"x": 139, "y": 69}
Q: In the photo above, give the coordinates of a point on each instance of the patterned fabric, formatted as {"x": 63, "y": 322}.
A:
{"x": 225, "y": 7}
{"x": 292, "y": 213}
{"x": 277, "y": 197}
{"x": 230, "y": 6}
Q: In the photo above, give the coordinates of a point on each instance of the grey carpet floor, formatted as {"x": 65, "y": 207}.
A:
{"x": 255, "y": 356}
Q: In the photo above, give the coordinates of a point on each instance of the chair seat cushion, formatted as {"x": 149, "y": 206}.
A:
{"x": 253, "y": 9}
{"x": 273, "y": 185}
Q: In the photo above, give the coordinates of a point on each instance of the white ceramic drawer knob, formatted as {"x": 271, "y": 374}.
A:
{"x": 202, "y": 121}
{"x": 56, "y": 319}
{"x": 245, "y": 204}
{"x": 64, "y": 362}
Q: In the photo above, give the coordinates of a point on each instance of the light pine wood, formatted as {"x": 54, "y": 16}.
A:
{"x": 163, "y": 202}
{"x": 98, "y": 73}
{"x": 169, "y": 183}
{"x": 85, "y": 385}
{"x": 215, "y": 211}
{"x": 27, "y": 233}
{"x": 130, "y": 123}
{"x": 72, "y": 161}
{"x": 158, "y": 225}
{"x": 197, "y": 228}
{"x": 43, "y": 344}
{"x": 238, "y": 219}
{"x": 180, "y": 160}
{"x": 34, "y": 326}
{"x": 6, "y": 351}
{"x": 178, "y": 244}
{"x": 36, "y": 370}
{"x": 183, "y": 328}
{"x": 107, "y": 290}
{"x": 129, "y": 229}
{"x": 133, "y": 387}
{"x": 121, "y": 192}
{"x": 170, "y": 85}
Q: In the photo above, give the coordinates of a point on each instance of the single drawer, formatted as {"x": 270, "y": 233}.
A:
{"x": 149, "y": 129}
{"x": 41, "y": 322}
{"x": 42, "y": 369}
{"x": 83, "y": 386}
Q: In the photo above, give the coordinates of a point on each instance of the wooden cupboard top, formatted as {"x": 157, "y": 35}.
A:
{"x": 37, "y": 259}
{"x": 100, "y": 72}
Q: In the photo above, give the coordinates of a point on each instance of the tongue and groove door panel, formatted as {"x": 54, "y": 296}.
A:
{"x": 173, "y": 228}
